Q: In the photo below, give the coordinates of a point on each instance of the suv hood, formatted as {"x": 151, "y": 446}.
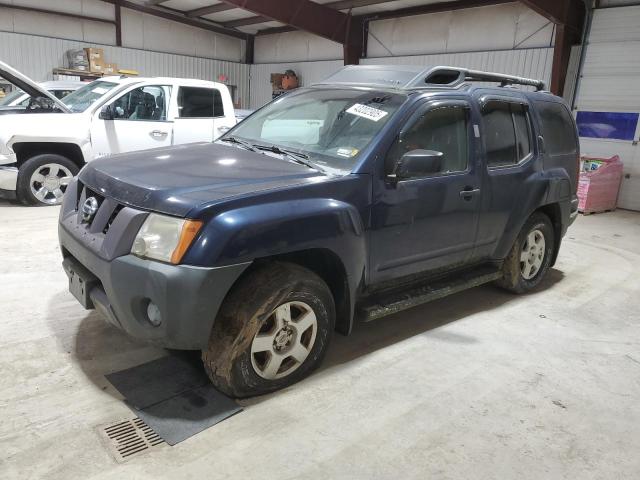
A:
{"x": 174, "y": 180}
{"x": 29, "y": 86}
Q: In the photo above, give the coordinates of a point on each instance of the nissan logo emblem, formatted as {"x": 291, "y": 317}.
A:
{"x": 89, "y": 208}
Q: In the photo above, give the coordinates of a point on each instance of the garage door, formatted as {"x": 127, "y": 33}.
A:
{"x": 608, "y": 101}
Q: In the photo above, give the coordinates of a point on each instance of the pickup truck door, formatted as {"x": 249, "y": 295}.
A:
{"x": 139, "y": 122}
{"x": 201, "y": 115}
{"x": 428, "y": 223}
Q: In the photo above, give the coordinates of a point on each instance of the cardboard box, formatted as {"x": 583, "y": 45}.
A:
{"x": 96, "y": 59}
{"x": 276, "y": 81}
{"x": 110, "y": 69}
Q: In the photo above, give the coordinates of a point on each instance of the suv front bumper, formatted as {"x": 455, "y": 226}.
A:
{"x": 187, "y": 297}
{"x": 120, "y": 286}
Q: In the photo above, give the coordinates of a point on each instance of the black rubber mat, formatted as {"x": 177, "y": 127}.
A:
{"x": 174, "y": 396}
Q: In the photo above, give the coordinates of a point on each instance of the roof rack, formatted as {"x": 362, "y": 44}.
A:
{"x": 413, "y": 76}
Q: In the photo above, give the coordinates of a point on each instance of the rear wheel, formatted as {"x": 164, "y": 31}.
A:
{"x": 272, "y": 330}
{"x": 43, "y": 179}
{"x": 530, "y": 256}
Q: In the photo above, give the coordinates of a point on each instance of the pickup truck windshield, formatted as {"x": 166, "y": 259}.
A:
{"x": 84, "y": 97}
{"x": 329, "y": 126}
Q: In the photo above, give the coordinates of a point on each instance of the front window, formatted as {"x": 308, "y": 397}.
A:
{"x": 84, "y": 97}
{"x": 143, "y": 103}
{"x": 329, "y": 126}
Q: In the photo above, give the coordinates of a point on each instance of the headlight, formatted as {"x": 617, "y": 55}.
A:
{"x": 165, "y": 238}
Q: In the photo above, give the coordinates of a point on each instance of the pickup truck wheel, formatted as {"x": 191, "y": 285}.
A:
{"x": 272, "y": 330}
{"x": 530, "y": 256}
{"x": 43, "y": 179}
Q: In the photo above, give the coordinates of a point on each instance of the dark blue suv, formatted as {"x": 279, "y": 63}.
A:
{"x": 374, "y": 191}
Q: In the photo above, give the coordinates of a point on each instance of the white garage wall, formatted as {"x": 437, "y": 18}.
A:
{"x": 498, "y": 27}
{"x": 609, "y": 83}
{"x": 294, "y": 47}
{"x": 139, "y": 30}
{"x": 37, "y": 56}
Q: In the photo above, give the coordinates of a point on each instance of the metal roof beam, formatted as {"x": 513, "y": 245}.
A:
{"x": 179, "y": 18}
{"x": 54, "y": 12}
{"x": 339, "y": 5}
{"x": 219, "y": 7}
{"x": 561, "y": 12}
{"x": 302, "y": 14}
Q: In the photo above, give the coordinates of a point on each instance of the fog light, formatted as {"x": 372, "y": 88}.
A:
{"x": 153, "y": 314}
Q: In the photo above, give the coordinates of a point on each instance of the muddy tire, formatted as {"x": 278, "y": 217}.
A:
{"x": 530, "y": 256}
{"x": 272, "y": 330}
{"x": 43, "y": 179}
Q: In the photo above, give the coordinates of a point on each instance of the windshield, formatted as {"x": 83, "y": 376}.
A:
{"x": 84, "y": 97}
{"x": 330, "y": 126}
{"x": 10, "y": 97}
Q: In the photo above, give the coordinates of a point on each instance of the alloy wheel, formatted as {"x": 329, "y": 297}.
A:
{"x": 284, "y": 341}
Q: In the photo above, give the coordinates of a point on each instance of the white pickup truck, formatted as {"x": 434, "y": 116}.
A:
{"x": 45, "y": 145}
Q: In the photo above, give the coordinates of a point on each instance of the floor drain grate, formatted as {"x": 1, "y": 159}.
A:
{"x": 129, "y": 438}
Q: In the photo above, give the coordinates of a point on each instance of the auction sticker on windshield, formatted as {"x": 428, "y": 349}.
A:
{"x": 366, "y": 111}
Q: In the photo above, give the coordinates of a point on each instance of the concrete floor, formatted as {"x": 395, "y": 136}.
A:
{"x": 481, "y": 385}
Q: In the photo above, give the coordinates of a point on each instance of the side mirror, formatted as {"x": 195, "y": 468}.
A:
{"x": 106, "y": 113}
{"x": 419, "y": 163}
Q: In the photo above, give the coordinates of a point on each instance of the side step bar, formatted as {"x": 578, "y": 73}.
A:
{"x": 381, "y": 305}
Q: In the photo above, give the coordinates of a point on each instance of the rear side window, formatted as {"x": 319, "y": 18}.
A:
{"x": 507, "y": 133}
{"x": 198, "y": 102}
{"x": 557, "y": 128}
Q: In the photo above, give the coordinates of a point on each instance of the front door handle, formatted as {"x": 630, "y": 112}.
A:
{"x": 469, "y": 192}
{"x": 158, "y": 133}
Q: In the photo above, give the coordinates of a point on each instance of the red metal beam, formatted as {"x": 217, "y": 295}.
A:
{"x": 434, "y": 8}
{"x": 561, "y": 12}
{"x": 302, "y": 14}
{"x": 118, "y": 16}
{"x": 339, "y": 5}
{"x": 61, "y": 14}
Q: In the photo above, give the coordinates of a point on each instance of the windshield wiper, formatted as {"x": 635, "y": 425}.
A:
{"x": 298, "y": 157}
{"x": 238, "y": 141}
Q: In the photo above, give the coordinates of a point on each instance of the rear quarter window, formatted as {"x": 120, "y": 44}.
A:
{"x": 557, "y": 128}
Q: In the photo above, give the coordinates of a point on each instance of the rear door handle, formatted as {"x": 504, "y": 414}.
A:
{"x": 158, "y": 133}
{"x": 469, "y": 192}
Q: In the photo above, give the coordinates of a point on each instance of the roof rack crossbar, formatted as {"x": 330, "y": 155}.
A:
{"x": 467, "y": 75}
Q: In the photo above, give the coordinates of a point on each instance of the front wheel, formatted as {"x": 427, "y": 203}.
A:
{"x": 43, "y": 179}
{"x": 272, "y": 330}
{"x": 530, "y": 256}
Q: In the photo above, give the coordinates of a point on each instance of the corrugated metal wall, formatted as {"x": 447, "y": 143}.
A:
{"x": 37, "y": 56}
{"x": 609, "y": 83}
{"x": 531, "y": 62}
{"x": 308, "y": 73}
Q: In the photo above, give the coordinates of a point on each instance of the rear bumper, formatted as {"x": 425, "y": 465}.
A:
{"x": 187, "y": 297}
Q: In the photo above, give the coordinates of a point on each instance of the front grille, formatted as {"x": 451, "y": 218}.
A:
{"x": 105, "y": 214}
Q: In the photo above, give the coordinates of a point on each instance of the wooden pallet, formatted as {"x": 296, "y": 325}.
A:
{"x": 599, "y": 211}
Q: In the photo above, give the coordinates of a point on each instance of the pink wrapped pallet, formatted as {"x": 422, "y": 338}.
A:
{"x": 599, "y": 184}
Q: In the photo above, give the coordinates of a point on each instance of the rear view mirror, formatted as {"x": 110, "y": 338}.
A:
{"x": 106, "y": 113}
{"x": 419, "y": 163}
